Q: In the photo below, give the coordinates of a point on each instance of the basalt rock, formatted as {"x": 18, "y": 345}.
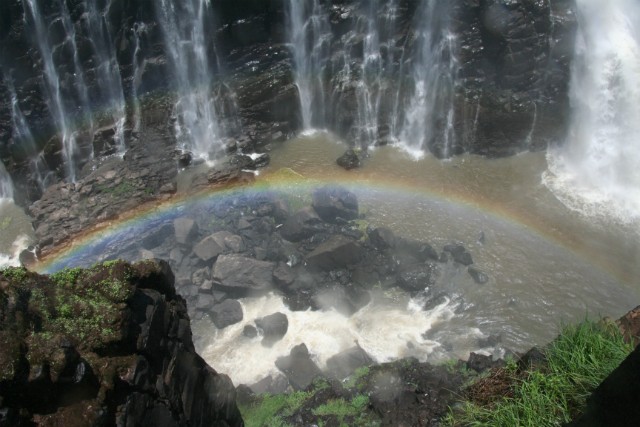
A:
{"x": 110, "y": 345}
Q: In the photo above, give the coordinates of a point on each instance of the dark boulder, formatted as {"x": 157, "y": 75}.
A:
{"x": 382, "y": 238}
{"x": 346, "y": 362}
{"x": 298, "y": 367}
{"x": 241, "y": 275}
{"x": 459, "y": 254}
{"x": 418, "y": 277}
{"x": 349, "y": 160}
{"x": 478, "y": 276}
{"x": 301, "y": 225}
{"x": 273, "y": 327}
{"x": 332, "y": 203}
{"x": 227, "y": 313}
{"x": 185, "y": 229}
{"x": 337, "y": 252}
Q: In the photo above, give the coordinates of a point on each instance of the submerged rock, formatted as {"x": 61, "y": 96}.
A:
{"x": 333, "y": 203}
{"x": 349, "y": 160}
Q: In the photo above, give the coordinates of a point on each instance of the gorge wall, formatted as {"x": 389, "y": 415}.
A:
{"x": 80, "y": 79}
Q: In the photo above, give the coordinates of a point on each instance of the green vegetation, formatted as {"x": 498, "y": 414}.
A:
{"x": 341, "y": 409}
{"x": 5, "y": 223}
{"x": 15, "y": 274}
{"x": 355, "y": 380}
{"x": 577, "y": 361}
{"x": 270, "y": 408}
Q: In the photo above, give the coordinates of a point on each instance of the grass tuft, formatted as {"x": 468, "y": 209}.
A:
{"x": 577, "y": 361}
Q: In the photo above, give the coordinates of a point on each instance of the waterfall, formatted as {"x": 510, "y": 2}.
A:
{"x": 107, "y": 71}
{"x": 596, "y": 170}
{"x": 21, "y": 135}
{"x": 61, "y": 113}
{"x": 429, "y": 111}
{"x": 198, "y": 126}
{"x": 138, "y": 62}
{"x": 310, "y": 38}
{"x": 6, "y": 185}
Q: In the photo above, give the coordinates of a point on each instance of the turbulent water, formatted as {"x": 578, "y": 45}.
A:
{"x": 596, "y": 170}
{"x": 6, "y": 185}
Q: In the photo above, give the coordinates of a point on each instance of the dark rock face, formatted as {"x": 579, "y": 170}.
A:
{"x": 337, "y": 252}
{"x": 243, "y": 275}
{"x": 227, "y": 313}
{"x": 124, "y": 357}
{"x": 345, "y": 363}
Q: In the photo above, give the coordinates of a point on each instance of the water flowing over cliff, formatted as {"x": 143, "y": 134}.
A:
{"x": 6, "y": 186}
{"x": 596, "y": 170}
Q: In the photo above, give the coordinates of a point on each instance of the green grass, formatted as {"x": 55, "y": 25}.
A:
{"x": 577, "y": 361}
{"x": 269, "y": 409}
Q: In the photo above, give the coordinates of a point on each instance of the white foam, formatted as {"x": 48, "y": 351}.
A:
{"x": 385, "y": 331}
{"x": 11, "y": 259}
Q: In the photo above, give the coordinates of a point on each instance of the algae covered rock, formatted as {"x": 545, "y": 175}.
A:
{"x": 104, "y": 346}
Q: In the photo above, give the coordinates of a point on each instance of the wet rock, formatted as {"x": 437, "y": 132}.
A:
{"x": 227, "y": 313}
{"x": 301, "y": 225}
{"x": 349, "y": 160}
{"x": 345, "y": 363}
{"x": 208, "y": 248}
{"x": 382, "y": 238}
{"x": 629, "y": 325}
{"x": 418, "y": 277}
{"x": 332, "y": 203}
{"x": 185, "y": 230}
{"x": 417, "y": 250}
{"x": 157, "y": 237}
{"x": 481, "y": 363}
{"x": 478, "y": 275}
{"x": 298, "y": 367}
{"x": 271, "y": 384}
{"x": 459, "y": 254}
{"x": 273, "y": 327}
{"x": 337, "y": 252}
{"x": 249, "y": 331}
{"x": 242, "y": 275}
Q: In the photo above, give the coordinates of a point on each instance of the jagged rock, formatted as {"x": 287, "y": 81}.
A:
{"x": 418, "y": 251}
{"x": 301, "y": 225}
{"x": 242, "y": 275}
{"x": 209, "y": 248}
{"x": 273, "y": 327}
{"x": 134, "y": 324}
{"x": 298, "y": 367}
{"x": 337, "y": 252}
{"x": 227, "y": 313}
{"x": 346, "y": 362}
{"x": 332, "y": 203}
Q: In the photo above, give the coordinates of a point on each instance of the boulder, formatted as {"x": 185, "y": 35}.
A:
{"x": 459, "y": 254}
{"x": 301, "y": 225}
{"x": 337, "y": 252}
{"x": 349, "y": 160}
{"x": 208, "y": 248}
{"x": 185, "y": 229}
{"x": 228, "y": 312}
{"x": 273, "y": 327}
{"x": 332, "y": 203}
{"x": 418, "y": 277}
{"x": 242, "y": 275}
{"x": 345, "y": 363}
{"x": 382, "y": 238}
{"x": 298, "y": 367}
{"x": 478, "y": 276}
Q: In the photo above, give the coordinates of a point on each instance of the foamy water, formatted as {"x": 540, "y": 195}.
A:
{"x": 596, "y": 171}
{"x": 385, "y": 330}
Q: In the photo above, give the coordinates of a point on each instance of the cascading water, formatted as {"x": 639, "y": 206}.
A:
{"x": 6, "y": 185}
{"x": 107, "y": 70}
{"x": 310, "y": 37}
{"x": 138, "y": 62}
{"x": 185, "y": 26}
{"x": 596, "y": 171}
{"x": 429, "y": 111}
{"x": 62, "y": 114}
{"x": 21, "y": 134}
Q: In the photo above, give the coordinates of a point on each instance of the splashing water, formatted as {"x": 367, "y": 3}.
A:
{"x": 596, "y": 171}
{"x": 6, "y": 184}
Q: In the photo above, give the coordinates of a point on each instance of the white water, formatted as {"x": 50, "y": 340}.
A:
{"x": 310, "y": 38}
{"x": 61, "y": 115}
{"x": 198, "y": 126}
{"x": 385, "y": 329}
{"x": 108, "y": 70}
{"x": 596, "y": 171}
{"x": 11, "y": 258}
{"x": 6, "y": 185}
{"x": 429, "y": 113}
{"x": 138, "y": 61}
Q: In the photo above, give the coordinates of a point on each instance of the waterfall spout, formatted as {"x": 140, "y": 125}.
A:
{"x": 596, "y": 171}
{"x": 6, "y": 185}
